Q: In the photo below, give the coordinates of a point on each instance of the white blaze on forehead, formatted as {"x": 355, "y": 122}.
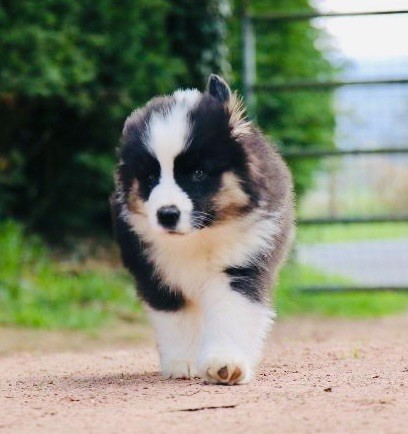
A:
{"x": 167, "y": 135}
{"x": 189, "y": 97}
{"x": 168, "y": 131}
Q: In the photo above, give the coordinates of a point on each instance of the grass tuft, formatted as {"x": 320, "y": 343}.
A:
{"x": 36, "y": 291}
{"x": 290, "y": 301}
{"x": 340, "y": 233}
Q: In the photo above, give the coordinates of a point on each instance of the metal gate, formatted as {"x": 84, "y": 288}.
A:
{"x": 353, "y": 225}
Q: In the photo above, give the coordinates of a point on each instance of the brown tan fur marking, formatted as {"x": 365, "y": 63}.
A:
{"x": 238, "y": 122}
{"x": 231, "y": 199}
{"x": 135, "y": 204}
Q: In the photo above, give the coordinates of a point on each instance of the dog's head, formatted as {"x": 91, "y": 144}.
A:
{"x": 182, "y": 167}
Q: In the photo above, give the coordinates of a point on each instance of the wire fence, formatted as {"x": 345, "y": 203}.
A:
{"x": 353, "y": 224}
{"x": 353, "y": 221}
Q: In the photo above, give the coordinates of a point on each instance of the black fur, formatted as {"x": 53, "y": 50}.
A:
{"x": 246, "y": 280}
{"x": 198, "y": 171}
{"x": 212, "y": 151}
{"x": 137, "y": 162}
{"x": 150, "y": 288}
{"x": 139, "y": 165}
{"x": 218, "y": 88}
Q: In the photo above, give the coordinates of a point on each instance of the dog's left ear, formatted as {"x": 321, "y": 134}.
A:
{"x": 218, "y": 88}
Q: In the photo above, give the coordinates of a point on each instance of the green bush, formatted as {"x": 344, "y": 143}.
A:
{"x": 198, "y": 34}
{"x": 70, "y": 73}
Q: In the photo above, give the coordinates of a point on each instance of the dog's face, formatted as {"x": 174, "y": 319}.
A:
{"x": 181, "y": 167}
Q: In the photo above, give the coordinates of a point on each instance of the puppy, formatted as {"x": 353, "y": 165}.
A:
{"x": 203, "y": 214}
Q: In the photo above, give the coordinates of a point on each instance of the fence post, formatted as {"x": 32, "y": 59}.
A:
{"x": 249, "y": 59}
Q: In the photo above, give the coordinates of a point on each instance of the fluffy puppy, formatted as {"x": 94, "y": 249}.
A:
{"x": 203, "y": 214}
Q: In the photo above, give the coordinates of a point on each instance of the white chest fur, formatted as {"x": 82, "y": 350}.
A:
{"x": 191, "y": 262}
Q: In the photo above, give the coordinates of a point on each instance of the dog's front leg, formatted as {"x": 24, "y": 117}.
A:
{"x": 178, "y": 337}
{"x": 234, "y": 328}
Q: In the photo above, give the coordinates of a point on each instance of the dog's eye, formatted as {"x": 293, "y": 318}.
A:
{"x": 152, "y": 178}
{"x": 199, "y": 175}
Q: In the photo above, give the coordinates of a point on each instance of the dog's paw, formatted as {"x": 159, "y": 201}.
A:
{"x": 181, "y": 369}
{"x": 225, "y": 370}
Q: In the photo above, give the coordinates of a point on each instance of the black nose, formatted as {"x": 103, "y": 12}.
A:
{"x": 168, "y": 216}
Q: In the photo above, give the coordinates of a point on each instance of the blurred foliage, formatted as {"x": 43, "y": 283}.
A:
{"x": 344, "y": 233}
{"x": 198, "y": 34}
{"x": 290, "y": 301}
{"x": 72, "y": 71}
{"x": 37, "y": 291}
{"x": 287, "y": 51}
{"x": 86, "y": 53}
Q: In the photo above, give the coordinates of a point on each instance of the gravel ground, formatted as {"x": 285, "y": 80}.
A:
{"x": 329, "y": 376}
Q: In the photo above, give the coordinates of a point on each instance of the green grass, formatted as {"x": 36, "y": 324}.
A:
{"x": 38, "y": 291}
{"x": 290, "y": 301}
{"x": 336, "y": 233}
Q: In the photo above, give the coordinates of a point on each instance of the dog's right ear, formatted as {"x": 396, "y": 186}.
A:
{"x": 218, "y": 88}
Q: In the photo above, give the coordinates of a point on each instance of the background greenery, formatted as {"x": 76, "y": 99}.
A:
{"x": 72, "y": 71}
{"x": 70, "y": 74}
{"x": 41, "y": 290}
{"x": 286, "y": 51}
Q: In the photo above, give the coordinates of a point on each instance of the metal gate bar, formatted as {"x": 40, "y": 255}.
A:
{"x": 250, "y": 88}
{"x": 301, "y": 16}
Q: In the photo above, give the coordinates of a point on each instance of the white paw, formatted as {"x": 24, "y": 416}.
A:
{"x": 225, "y": 370}
{"x": 183, "y": 369}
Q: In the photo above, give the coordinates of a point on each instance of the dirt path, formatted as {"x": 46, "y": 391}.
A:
{"x": 317, "y": 376}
